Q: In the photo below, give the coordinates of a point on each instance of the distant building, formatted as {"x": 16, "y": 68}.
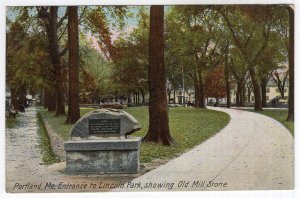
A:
{"x": 273, "y": 93}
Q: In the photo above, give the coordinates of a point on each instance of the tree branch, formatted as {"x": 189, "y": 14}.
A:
{"x": 62, "y": 19}
{"x": 63, "y": 51}
{"x": 63, "y": 33}
{"x": 259, "y": 52}
{"x": 249, "y": 38}
{"x": 42, "y": 12}
{"x": 233, "y": 33}
{"x": 81, "y": 16}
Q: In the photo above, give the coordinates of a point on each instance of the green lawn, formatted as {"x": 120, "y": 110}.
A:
{"x": 58, "y": 123}
{"x": 45, "y": 143}
{"x": 189, "y": 127}
{"x": 280, "y": 115}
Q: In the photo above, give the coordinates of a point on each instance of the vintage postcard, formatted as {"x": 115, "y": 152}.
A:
{"x": 122, "y": 98}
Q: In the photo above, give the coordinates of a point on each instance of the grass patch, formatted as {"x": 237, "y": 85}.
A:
{"x": 280, "y": 115}
{"x": 45, "y": 143}
{"x": 11, "y": 122}
{"x": 58, "y": 123}
{"x": 189, "y": 127}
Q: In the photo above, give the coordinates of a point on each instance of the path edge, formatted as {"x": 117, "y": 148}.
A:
{"x": 57, "y": 143}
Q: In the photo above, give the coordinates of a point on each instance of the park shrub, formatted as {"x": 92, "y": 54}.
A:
{"x": 111, "y": 106}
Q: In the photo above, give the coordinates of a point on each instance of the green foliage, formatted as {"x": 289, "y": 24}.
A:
{"x": 131, "y": 60}
{"x": 27, "y": 57}
{"x": 45, "y": 143}
{"x": 93, "y": 64}
{"x": 58, "y": 123}
{"x": 99, "y": 20}
{"x": 253, "y": 31}
{"x": 189, "y": 127}
{"x": 195, "y": 41}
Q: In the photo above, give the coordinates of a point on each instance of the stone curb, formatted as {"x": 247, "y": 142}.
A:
{"x": 57, "y": 143}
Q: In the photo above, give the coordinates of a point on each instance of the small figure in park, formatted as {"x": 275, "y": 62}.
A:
{"x": 22, "y": 108}
{"x": 12, "y": 112}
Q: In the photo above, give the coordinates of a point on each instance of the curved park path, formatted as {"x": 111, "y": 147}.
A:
{"x": 253, "y": 152}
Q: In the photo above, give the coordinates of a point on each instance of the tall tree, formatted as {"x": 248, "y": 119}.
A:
{"x": 227, "y": 78}
{"x": 196, "y": 39}
{"x": 251, "y": 38}
{"x": 131, "y": 58}
{"x": 280, "y": 77}
{"x": 52, "y": 23}
{"x": 26, "y": 55}
{"x": 73, "y": 44}
{"x": 158, "y": 131}
{"x": 217, "y": 84}
{"x": 291, "y": 52}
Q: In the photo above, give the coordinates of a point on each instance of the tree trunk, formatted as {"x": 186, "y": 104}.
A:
{"x": 227, "y": 80}
{"x": 60, "y": 101}
{"x": 55, "y": 59}
{"x": 143, "y": 97}
{"x": 73, "y": 43}
{"x": 45, "y": 98}
{"x": 263, "y": 85}
{"x": 243, "y": 95}
{"x": 196, "y": 86}
{"x": 282, "y": 92}
{"x": 201, "y": 90}
{"x": 239, "y": 94}
{"x": 174, "y": 94}
{"x": 256, "y": 89}
{"x": 138, "y": 97}
{"x": 129, "y": 98}
{"x": 249, "y": 94}
{"x": 290, "y": 116}
{"x": 51, "y": 101}
{"x": 134, "y": 98}
{"x": 22, "y": 96}
{"x": 158, "y": 131}
{"x": 14, "y": 101}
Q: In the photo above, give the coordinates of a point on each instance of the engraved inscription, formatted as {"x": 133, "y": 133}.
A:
{"x": 104, "y": 126}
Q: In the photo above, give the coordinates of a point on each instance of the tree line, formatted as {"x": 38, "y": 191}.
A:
{"x": 212, "y": 47}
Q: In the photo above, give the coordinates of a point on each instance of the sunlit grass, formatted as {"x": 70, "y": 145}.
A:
{"x": 189, "y": 127}
{"x": 45, "y": 143}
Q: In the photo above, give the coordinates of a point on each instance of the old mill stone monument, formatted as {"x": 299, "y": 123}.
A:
{"x": 100, "y": 143}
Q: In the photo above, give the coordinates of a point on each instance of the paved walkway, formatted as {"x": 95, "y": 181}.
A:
{"x": 253, "y": 152}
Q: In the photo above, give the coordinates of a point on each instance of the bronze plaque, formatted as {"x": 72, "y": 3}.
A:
{"x": 104, "y": 126}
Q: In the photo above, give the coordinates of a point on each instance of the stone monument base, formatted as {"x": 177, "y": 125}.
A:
{"x": 103, "y": 155}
